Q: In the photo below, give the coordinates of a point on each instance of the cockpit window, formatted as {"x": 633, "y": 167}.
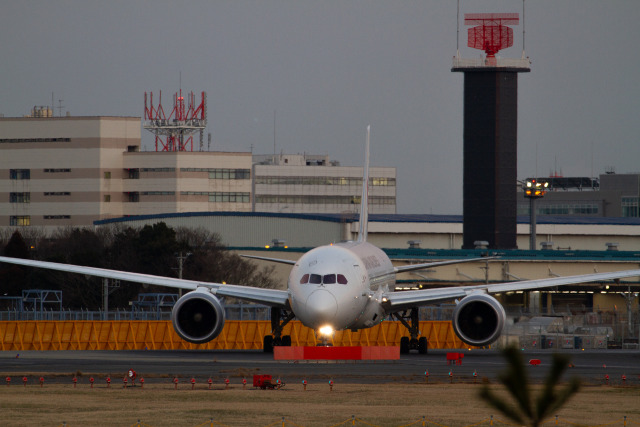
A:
{"x": 315, "y": 279}
{"x": 329, "y": 279}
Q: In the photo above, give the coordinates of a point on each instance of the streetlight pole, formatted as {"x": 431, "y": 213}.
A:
{"x": 533, "y": 190}
{"x": 532, "y": 223}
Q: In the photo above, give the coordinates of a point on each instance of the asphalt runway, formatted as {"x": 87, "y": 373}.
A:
{"x": 163, "y": 366}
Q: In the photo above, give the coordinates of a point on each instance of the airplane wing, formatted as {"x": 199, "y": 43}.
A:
{"x": 402, "y": 300}
{"x": 263, "y": 258}
{"x": 414, "y": 267}
{"x": 271, "y": 297}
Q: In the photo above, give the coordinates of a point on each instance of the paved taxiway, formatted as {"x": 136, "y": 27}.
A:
{"x": 591, "y": 366}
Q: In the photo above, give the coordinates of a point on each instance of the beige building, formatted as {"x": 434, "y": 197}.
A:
{"x": 59, "y": 171}
{"x": 175, "y": 182}
{"x": 72, "y": 171}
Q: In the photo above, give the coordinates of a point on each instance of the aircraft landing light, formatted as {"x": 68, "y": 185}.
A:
{"x": 326, "y": 331}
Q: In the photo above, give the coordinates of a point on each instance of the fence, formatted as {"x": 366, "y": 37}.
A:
{"x": 160, "y": 335}
{"x": 232, "y": 312}
{"x": 571, "y": 328}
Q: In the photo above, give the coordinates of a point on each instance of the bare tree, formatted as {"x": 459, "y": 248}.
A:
{"x": 152, "y": 249}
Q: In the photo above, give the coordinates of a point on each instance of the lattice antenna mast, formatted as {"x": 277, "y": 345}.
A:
{"x": 175, "y": 132}
{"x": 523, "y": 29}
{"x": 491, "y": 33}
{"x": 458, "y": 31}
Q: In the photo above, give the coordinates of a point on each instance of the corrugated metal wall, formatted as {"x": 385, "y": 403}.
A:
{"x": 159, "y": 335}
{"x": 254, "y": 231}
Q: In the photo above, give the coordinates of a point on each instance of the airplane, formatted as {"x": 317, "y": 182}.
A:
{"x": 349, "y": 285}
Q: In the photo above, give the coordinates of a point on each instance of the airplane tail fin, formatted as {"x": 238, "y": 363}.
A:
{"x": 364, "y": 200}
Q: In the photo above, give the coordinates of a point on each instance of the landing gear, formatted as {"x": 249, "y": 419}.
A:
{"x": 404, "y": 345}
{"x": 277, "y": 339}
{"x": 422, "y": 345}
{"x": 416, "y": 342}
{"x": 268, "y": 344}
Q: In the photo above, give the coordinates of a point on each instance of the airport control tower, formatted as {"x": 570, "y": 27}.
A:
{"x": 490, "y": 132}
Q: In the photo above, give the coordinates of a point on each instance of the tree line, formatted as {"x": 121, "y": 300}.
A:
{"x": 152, "y": 249}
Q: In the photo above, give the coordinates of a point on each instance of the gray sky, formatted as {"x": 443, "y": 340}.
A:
{"x": 331, "y": 67}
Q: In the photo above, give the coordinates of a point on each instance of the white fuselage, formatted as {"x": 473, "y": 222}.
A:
{"x": 341, "y": 286}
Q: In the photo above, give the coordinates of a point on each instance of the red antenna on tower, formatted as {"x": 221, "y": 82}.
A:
{"x": 491, "y": 33}
{"x": 175, "y": 131}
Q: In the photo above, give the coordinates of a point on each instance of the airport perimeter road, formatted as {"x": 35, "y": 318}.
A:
{"x": 155, "y": 366}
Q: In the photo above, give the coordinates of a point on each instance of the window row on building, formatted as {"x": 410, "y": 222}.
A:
{"x": 562, "y": 209}
{"x": 26, "y": 197}
{"x": 21, "y": 140}
{"x": 214, "y": 173}
{"x": 569, "y": 209}
{"x": 135, "y": 173}
{"x": 221, "y": 173}
{"x": 323, "y": 180}
{"x": 324, "y": 200}
{"x": 19, "y": 173}
{"x": 158, "y": 193}
{"x": 219, "y": 196}
{"x": 19, "y": 197}
{"x": 25, "y": 220}
{"x": 213, "y": 196}
{"x": 20, "y": 220}
{"x": 235, "y": 197}
{"x": 157, "y": 169}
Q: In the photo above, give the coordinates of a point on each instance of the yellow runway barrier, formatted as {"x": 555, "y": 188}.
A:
{"x": 159, "y": 335}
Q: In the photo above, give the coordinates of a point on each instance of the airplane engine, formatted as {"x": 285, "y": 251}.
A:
{"x": 198, "y": 316}
{"x": 478, "y": 319}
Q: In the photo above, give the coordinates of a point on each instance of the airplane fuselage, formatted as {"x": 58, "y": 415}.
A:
{"x": 341, "y": 286}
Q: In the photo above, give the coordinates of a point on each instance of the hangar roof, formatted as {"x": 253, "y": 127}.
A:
{"x": 253, "y": 229}
{"x": 349, "y": 218}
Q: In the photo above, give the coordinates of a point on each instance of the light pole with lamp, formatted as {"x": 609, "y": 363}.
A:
{"x": 533, "y": 190}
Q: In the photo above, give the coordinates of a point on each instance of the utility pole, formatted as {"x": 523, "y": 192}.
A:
{"x": 106, "y": 290}
{"x": 181, "y": 257}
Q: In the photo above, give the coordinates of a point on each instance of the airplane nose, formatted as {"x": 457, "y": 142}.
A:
{"x": 321, "y": 306}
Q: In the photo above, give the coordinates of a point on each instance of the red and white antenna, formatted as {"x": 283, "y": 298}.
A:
{"x": 175, "y": 131}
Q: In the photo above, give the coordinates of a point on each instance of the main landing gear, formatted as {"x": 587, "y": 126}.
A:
{"x": 277, "y": 339}
{"x": 416, "y": 342}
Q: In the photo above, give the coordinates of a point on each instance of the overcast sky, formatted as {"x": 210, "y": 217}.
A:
{"x": 330, "y": 67}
